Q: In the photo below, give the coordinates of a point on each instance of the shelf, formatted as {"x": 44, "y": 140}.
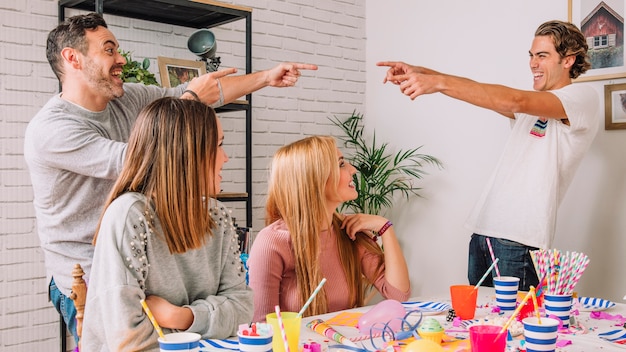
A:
{"x": 236, "y": 105}
{"x": 186, "y": 13}
{"x": 232, "y": 197}
{"x": 194, "y": 14}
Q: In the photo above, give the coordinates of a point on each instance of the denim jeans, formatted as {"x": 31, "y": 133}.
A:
{"x": 514, "y": 260}
{"x": 65, "y": 307}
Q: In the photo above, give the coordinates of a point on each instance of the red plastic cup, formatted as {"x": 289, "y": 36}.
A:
{"x": 464, "y": 300}
{"x": 484, "y": 338}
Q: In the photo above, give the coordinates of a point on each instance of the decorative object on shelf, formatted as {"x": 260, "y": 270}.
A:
{"x": 176, "y": 71}
{"x": 615, "y": 106}
{"x": 202, "y": 43}
{"x": 381, "y": 174}
{"x": 137, "y": 72}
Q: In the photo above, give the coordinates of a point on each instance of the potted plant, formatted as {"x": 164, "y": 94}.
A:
{"x": 137, "y": 72}
{"x": 381, "y": 174}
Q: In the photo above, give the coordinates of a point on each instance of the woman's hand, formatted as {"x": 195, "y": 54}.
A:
{"x": 365, "y": 223}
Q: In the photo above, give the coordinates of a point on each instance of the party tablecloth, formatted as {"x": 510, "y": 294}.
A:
{"x": 598, "y": 326}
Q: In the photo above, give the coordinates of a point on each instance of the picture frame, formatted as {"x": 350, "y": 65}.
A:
{"x": 177, "y": 71}
{"x": 602, "y": 23}
{"x": 615, "y": 106}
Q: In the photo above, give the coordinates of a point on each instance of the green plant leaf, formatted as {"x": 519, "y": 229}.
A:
{"x": 137, "y": 72}
{"x": 381, "y": 174}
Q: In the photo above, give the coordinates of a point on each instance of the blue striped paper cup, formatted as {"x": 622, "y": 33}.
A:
{"x": 180, "y": 342}
{"x": 506, "y": 292}
{"x": 540, "y": 337}
{"x": 255, "y": 343}
{"x": 559, "y": 306}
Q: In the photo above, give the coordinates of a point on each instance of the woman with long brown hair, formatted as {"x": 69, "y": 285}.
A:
{"x": 163, "y": 238}
{"x": 306, "y": 240}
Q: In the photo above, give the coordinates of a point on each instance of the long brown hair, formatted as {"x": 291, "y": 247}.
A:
{"x": 170, "y": 159}
{"x": 296, "y": 186}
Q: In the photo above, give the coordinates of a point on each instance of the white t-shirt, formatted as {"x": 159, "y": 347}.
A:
{"x": 537, "y": 166}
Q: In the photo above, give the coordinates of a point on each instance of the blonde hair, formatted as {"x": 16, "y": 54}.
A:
{"x": 296, "y": 194}
{"x": 171, "y": 160}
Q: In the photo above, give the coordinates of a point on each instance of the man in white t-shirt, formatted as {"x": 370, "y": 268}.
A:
{"x": 553, "y": 127}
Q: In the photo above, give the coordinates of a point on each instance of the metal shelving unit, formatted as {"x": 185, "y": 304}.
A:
{"x": 194, "y": 14}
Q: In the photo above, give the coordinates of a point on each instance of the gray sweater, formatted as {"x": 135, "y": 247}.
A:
{"x": 132, "y": 260}
{"x": 74, "y": 156}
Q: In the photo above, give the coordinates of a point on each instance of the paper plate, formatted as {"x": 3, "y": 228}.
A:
{"x": 616, "y": 337}
{"x": 594, "y": 304}
{"x": 427, "y": 307}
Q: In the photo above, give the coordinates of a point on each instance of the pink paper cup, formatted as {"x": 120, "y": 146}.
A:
{"x": 484, "y": 338}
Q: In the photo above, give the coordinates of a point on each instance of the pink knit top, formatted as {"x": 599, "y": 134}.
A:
{"x": 273, "y": 276}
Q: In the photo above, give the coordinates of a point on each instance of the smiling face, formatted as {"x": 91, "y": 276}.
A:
{"x": 549, "y": 70}
{"x": 102, "y": 65}
{"x": 344, "y": 190}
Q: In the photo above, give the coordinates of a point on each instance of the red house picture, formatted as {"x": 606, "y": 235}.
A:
{"x": 604, "y": 29}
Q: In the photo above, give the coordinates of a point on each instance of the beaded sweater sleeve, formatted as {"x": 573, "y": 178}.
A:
{"x": 132, "y": 261}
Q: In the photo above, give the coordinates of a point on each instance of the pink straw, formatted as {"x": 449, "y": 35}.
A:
{"x": 282, "y": 328}
{"x": 493, "y": 257}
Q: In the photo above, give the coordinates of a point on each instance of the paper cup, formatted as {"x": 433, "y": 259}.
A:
{"x": 464, "y": 300}
{"x": 506, "y": 292}
{"x": 558, "y": 305}
{"x": 540, "y": 337}
{"x": 261, "y": 343}
{"x": 292, "y": 322}
{"x": 485, "y": 338}
{"x": 180, "y": 342}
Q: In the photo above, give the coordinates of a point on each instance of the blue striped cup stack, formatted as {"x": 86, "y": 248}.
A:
{"x": 558, "y": 305}
{"x": 506, "y": 292}
{"x": 180, "y": 342}
{"x": 258, "y": 341}
{"x": 540, "y": 337}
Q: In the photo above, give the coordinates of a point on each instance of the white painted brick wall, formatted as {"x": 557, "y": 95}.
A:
{"x": 328, "y": 33}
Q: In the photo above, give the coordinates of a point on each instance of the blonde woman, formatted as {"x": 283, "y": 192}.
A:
{"x": 306, "y": 240}
{"x": 163, "y": 238}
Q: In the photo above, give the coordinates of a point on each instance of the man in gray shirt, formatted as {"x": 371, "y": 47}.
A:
{"x": 75, "y": 145}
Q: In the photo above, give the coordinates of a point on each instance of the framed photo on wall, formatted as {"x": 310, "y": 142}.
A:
{"x": 615, "y": 106}
{"x": 176, "y": 71}
{"x": 602, "y": 23}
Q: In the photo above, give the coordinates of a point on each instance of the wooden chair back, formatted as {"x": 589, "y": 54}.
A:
{"x": 79, "y": 296}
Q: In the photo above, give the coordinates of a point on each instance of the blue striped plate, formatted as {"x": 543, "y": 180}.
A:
{"x": 594, "y": 304}
{"x": 231, "y": 344}
{"x": 426, "y": 307}
{"x": 615, "y": 336}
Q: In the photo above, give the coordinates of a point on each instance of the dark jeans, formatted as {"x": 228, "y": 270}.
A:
{"x": 514, "y": 260}
{"x": 65, "y": 307}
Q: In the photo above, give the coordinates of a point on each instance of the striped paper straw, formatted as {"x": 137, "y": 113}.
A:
{"x": 308, "y": 301}
{"x": 493, "y": 257}
{"x": 495, "y": 262}
{"x": 283, "y": 333}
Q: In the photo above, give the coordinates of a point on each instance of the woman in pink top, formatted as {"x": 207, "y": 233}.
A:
{"x": 306, "y": 240}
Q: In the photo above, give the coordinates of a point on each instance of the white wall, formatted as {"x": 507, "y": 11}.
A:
{"x": 488, "y": 41}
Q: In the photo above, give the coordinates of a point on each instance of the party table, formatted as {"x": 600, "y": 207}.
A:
{"x": 597, "y": 318}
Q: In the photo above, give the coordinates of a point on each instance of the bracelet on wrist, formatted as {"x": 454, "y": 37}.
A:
{"x": 192, "y": 93}
{"x": 382, "y": 230}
